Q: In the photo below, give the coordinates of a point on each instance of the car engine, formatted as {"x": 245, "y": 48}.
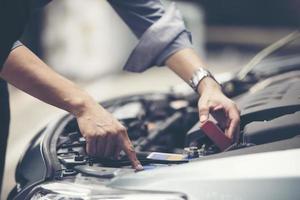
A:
{"x": 164, "y": 130}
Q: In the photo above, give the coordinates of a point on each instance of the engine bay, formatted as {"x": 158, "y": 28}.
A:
{"x": 164, "y": 129}
{"x": 157, "y": 126}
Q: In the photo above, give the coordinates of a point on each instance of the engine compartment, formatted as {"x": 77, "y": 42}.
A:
{"x": 167, "y": 123}
{"x": 155, "y": 123}
{"x": 164, "y": 130}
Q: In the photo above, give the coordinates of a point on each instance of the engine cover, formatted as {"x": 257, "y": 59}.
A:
{"x": 270, "y": 111}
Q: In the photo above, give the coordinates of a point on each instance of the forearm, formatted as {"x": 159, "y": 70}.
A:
{"x": 105, "y": 136}
{"x": 27, "y": 72}
{"x": 185, "y": 62}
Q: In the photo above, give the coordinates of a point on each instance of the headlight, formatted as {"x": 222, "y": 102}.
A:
{"x": 74, "y": 191}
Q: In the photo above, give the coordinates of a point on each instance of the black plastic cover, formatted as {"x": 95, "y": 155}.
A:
{"x": 277, "y": 98}
{"x": 280, "y": 128}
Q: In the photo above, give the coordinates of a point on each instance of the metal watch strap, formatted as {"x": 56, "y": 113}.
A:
{"x": 198, "y": 76}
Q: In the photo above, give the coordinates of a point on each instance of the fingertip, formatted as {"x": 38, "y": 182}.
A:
{"x": 133, "y": 158}
{"x": 136, "y": 164}
{"x": 229, "y": 135}
{"x": 139, "y": 167}
{"x": 203, "y": 118}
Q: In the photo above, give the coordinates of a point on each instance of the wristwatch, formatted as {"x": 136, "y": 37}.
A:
{"x": 198, "y": 76}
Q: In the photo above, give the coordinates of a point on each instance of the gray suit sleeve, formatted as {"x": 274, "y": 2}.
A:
{"x": 161, "y": 32}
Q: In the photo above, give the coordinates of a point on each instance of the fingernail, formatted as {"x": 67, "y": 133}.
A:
{"x": 203, "y": 118}
{"x": 139, "y": 167}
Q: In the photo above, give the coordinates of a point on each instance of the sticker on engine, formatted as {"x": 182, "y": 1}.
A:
{"x": 166, "y": 156}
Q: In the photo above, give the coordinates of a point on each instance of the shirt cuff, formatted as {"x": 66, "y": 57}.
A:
{"x": 162, "y": 39}
{"x": 181, "y": 42}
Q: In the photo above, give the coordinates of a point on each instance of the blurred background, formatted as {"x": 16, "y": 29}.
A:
{"x": 87, "y": 42}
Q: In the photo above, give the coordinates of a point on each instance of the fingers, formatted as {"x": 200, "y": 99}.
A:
{"x": 224, "y": 111}
{"x": 129, "y": 150}
{"x": 91, "y": 146}
{"x": 105, "y": 136}
{"x": 203, "y": 110}
{"x": 234, "y": 122}
{"x": 117, "y": 152}
{"x": 110, "y": 146}
{"x": 221, "y": 117}
{"x": 101, "y": 143}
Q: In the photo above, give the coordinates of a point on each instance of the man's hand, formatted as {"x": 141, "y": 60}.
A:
{"x": 105, "y": 136}
{"x": 184, "y": 63}
{"x": 224, "y": 110}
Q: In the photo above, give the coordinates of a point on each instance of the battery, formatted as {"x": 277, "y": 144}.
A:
{"x": 216, "y": 135}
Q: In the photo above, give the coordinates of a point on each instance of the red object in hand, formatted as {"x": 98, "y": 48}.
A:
{"x": 216, "y": 135}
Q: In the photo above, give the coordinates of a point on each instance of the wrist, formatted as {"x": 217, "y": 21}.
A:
{"x": 79, "y": 105}
{"x": 208, "y": 84}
